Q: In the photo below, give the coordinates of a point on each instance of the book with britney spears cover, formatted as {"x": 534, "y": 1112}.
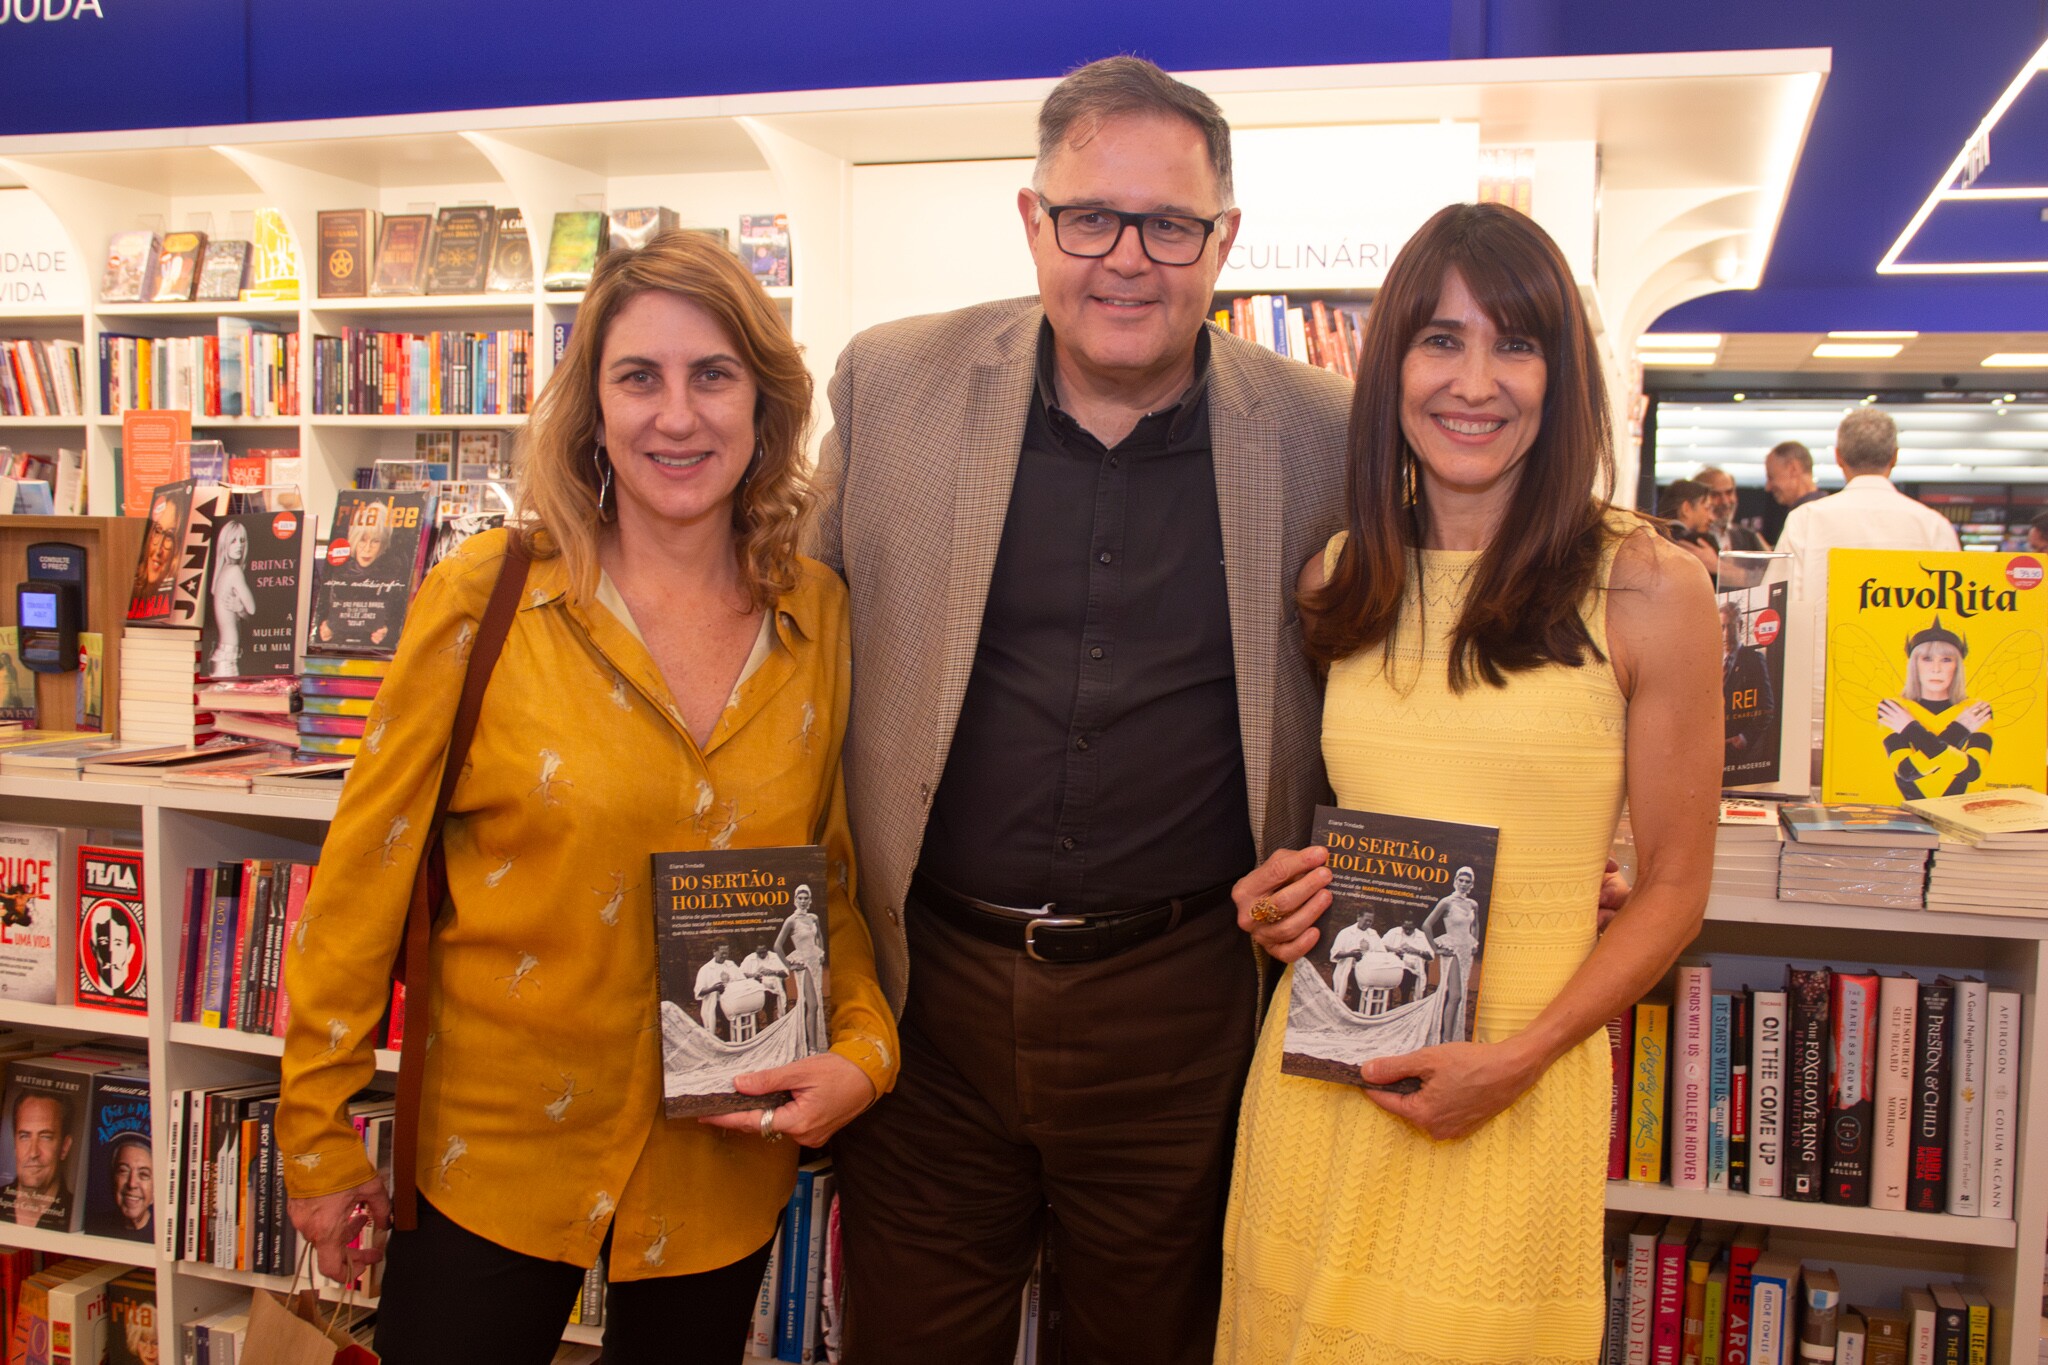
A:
{"x": 740, "y": 944}
{"x": 1399, "y": 955}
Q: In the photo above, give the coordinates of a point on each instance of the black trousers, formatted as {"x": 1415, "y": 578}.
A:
{"x": 453, "y": 1298}
{"x": 1100, "y": 1097}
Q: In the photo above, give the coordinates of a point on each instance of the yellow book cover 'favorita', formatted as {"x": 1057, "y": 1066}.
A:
{"x": 1934, "y": 674}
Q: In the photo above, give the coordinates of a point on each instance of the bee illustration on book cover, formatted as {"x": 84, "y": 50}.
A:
{"x": 1934, "y": 674}
{"x": 740, "y": 935}
{"x": 1399, "y": 955}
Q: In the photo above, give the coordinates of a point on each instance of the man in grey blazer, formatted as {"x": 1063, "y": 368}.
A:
{"x": 1071, "y": 527}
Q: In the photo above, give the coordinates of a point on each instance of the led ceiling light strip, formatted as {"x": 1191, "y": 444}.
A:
{"x": 1950, "y": 188}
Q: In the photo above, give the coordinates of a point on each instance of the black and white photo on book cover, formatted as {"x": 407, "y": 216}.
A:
{"x": 1400, "y": 953}
{"x": 259, "y": 584}
{"x": 740, "y": 938}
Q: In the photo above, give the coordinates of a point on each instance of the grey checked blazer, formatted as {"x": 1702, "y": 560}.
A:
{"x": 929, "y": 417}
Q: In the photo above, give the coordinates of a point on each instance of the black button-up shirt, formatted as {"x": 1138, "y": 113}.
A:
{"x": 1097, "y": 763}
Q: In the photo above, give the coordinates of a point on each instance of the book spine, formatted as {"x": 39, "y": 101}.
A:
{"x": 1614, "y": 1337}
{"x": 192, "y": 943}
{"x": 1852, "y": 1077}
{"x": 814, "y": 1268}
{"x": 1642, "y": 1295}
{"x": 1979, "y": 1309}
{"x": 761, "y": 1338}
{"x": 1693, "y": 1325}
{"x": 1966, "y": 1100}
{"x": 1892, "y": 1098}
{"x": 194, "y": 1175}
{"x": 1714, "y": 1329}
{"x": 2001, "y": 1102}
{"x": 1667, "y": 1326}
{"x": 1646, "y": 1093}
{"x": 1767, "y": 1087}
{"x": 1739, "y": 1025}
{"x": 795, "y": 1245}
{"x": 1806, "y": 992}
{"x": 1619, "y": 1031}
{"x": 171, "y": 1233}
{"x": 1951, "y": 1334}
{"x": 1735, "y": 1340}
{"x": 1693, "y": 1019}
{"x": 1927, "y": 1176}
{"x": 220, "y": 935}
{"x": 1717, "y": 1090}
{"x": 1818, "y": 1318}
{"x": 1767, "y": 1321}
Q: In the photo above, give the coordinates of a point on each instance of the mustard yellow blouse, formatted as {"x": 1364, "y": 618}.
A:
{"x": 541, "y": 1122}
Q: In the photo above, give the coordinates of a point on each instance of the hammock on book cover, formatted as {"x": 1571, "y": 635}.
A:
{"x": 1321, "y": 1025}
{"x": 696, "y": 1061}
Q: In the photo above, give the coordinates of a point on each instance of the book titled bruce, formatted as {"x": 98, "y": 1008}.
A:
{"x": 1398, "y": 959}
{"x": 740, "y": 939}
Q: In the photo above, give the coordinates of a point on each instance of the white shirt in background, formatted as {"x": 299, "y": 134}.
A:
{"x": 1868, "y": 514}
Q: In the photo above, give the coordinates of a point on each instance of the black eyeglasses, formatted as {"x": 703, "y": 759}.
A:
{"x": 1091, "y": 232}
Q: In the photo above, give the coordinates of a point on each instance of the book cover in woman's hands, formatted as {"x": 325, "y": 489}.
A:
{"x": 740, "y": 941}
{"x": 1399, "y": 953}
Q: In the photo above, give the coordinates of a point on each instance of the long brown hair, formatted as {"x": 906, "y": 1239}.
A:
{"x": 1522, "y": 609}
{"x": 558, "y": 485}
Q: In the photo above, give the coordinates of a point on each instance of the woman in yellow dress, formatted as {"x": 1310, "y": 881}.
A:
{"x": 1503, "y": 649}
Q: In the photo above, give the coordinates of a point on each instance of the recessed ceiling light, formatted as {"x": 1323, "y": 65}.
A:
{"x": 1872, "y": 336}
{"x": 1740, "y": 396}
{"x": 2010, "y": 398}
{"x": 1857, "y": 350}
{"x": 2016, "y": 360}
{"x": 1678, "y": 341}
{"x": 1677, "y": 358}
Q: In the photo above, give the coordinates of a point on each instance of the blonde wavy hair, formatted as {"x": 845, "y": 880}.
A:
{"x": 558, "y": 479}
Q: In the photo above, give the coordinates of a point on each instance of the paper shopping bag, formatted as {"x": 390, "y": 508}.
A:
{"x": 293, "y": 1332}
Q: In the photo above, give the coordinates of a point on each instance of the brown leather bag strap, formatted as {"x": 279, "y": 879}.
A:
{"x": 430, "y": 883}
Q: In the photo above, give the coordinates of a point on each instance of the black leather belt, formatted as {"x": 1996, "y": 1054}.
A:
{"x": 1048, "y": 936}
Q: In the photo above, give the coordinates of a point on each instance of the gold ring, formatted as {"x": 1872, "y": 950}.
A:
{"x": 1265, "y": 912}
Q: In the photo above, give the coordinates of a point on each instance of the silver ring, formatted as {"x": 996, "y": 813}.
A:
{"x": 768, "y": 1126}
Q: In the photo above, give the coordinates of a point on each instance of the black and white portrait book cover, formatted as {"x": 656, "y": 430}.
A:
{"x": 260, "y": 587}
{"x": 740, "y": 937}
{"x": 1400, "y": 953}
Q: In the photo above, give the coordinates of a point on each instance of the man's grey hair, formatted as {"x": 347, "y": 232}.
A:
{"x": 1119, "y": 86}
{"x": 1792, "y": 452}
{"x": 1712, "y": 471}
{"x": 1867, "y": 441}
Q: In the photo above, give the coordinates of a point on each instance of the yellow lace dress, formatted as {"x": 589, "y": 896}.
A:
{"x": 1353, "y": 1237}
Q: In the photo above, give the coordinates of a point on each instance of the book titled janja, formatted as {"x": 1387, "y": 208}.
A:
{"x": 740, "y": 942}
{"x": 1400, "y": 952}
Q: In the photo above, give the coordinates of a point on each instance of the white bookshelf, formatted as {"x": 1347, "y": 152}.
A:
{"x": 1747, "y": 938}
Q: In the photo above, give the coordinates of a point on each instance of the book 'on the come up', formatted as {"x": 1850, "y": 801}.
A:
{"x": 1400, "y": 953}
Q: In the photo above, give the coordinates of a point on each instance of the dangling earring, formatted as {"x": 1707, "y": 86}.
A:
{"x": 753, "y": 464}
{"x": 603, "y": 467}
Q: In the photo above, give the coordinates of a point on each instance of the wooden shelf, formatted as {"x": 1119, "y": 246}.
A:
{"x": 1629, "y": 1196}
{"x": 80, "y": 1244}
{"x": 428, "y": 303}
{"x": 72, "y": 1019}
{"x": 1855, "y": 918}
{"x": 421, "y": 421}
{"x": 267, "y": 308}
{"x": 255, "y": 1044}
{"x": 68, "y": 423}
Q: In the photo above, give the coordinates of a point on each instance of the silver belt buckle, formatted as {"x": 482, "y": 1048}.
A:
{"x": 1054, "y": 922}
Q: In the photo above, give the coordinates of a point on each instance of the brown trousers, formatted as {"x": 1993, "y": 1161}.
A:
{"x": 1101, "y": 1095}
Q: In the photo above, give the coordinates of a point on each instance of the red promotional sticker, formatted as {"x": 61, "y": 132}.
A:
{"x": 337, "y": 552}
{"x": 2023, "y": 572}
{"x": 283, "y": 525}
{"x": 1767, "y": 627}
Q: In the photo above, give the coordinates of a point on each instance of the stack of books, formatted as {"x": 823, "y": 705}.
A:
{"x": 1746, "y": 847}
{"x": 159, "y": 687}
{"x": 1856, "y": 855}
{"x": 1993, "y": 855}
{"x": 254, "y": 708}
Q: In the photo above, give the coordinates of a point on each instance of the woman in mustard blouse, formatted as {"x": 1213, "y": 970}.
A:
{"x": 675, "y": 678}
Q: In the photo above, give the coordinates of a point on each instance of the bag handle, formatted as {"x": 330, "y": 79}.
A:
{"x": 429, "y": 887}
